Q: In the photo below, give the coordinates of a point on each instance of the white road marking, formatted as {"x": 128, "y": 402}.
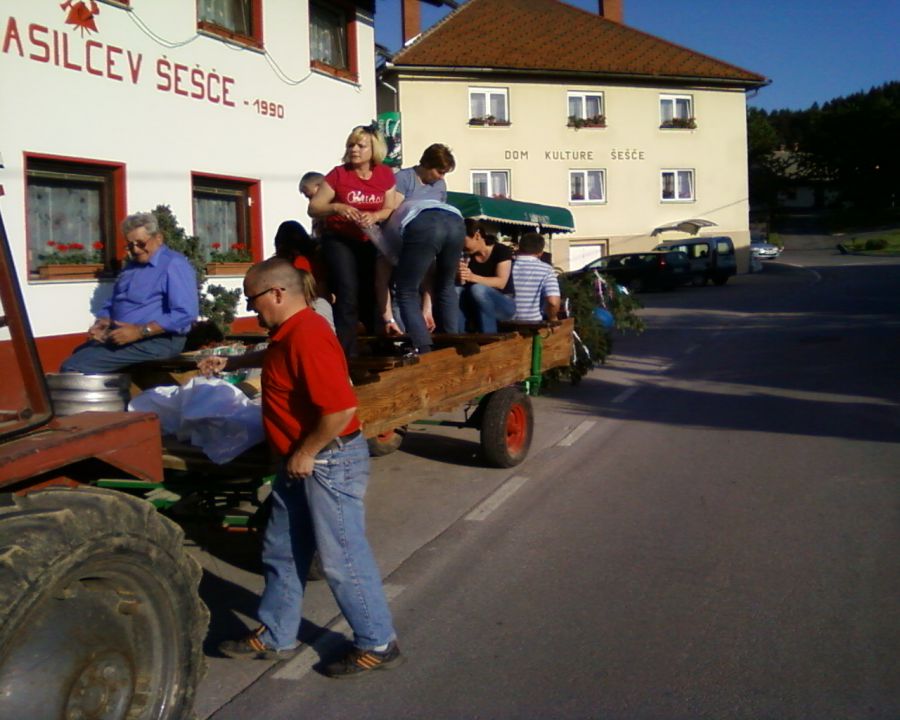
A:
{"x": 625, "y": 394}
{"x": 573, "y": 436}
{"x": 300, "y": 665}
{"x": 500, "y": 496}
{"x": 691, "y": 349}
{"x": 815, "y": 274}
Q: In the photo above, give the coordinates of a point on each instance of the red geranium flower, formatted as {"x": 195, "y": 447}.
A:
{"x": 238, "y": 246}
{"x": 51, "y": 243}
{"x": 97, "y": 245}
{"x": 76, "y": 246}
{"x": 62, "y": 248}
{"x": 215, "y": 246}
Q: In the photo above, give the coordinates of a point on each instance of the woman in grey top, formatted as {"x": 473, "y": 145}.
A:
{"x": 431, "y": 232}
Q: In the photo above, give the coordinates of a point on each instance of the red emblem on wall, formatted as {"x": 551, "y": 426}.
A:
{"x": 80, "y": 15}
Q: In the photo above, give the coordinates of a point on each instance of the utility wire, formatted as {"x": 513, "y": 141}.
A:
{"x": 159, "y": 40}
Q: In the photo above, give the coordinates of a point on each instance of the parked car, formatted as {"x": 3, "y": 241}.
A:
{"x": 763, "y": 250}
{"x": 710, "y": 258}
{"x": 659, "y": 270}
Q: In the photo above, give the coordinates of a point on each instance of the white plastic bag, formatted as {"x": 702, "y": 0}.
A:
{"x": 207, "y": 412}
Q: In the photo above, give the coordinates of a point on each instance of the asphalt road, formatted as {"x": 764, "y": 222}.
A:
{"x": 704, "y": 529}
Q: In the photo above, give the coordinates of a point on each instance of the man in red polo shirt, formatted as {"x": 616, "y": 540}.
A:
{"x": 309, "y": 415}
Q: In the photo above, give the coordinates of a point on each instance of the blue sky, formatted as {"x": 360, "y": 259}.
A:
{"x": 812, "y": 50}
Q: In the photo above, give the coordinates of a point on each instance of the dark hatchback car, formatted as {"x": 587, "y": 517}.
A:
{"x": 656, "y": 270}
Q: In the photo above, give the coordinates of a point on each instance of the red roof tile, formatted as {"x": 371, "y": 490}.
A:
{"x": 551, "y": 36}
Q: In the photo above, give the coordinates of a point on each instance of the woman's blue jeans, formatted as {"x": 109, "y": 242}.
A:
{"x": 326, "y": 511}
{"x": 485, "y": 306}
{"x": 432, "y": 236}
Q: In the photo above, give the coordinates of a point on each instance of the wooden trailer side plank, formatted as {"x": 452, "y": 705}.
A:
{"x": 440, "y": 381}
{"x": 444, "y": 380}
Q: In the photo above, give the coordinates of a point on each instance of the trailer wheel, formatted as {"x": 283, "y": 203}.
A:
{"x": 507, "y": 425}
{"x": 386, "y": 442}
{"x": 99, "y": 611}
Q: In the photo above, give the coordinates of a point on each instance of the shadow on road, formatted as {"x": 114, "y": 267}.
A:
{"x": 814, "y": 356}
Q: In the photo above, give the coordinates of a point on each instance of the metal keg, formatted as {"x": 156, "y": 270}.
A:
{"x": 73, "y": 393}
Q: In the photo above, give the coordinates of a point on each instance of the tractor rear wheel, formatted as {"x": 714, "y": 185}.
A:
{"x": 99, "y": 611}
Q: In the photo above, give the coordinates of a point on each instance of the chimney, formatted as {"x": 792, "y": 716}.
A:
{"x": 412, "y": 20}
{"x": 611, "y": 10}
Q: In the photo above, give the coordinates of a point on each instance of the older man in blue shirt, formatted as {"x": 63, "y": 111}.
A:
{"x": 153, "y": 305}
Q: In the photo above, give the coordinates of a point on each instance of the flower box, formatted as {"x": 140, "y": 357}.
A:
{"x": 680, "y": 123}
{"x": 228, "y": 268}
{"x": 69, "y": 271}
{"x": 597, "y": 121}
{"x": 489, "y": 120}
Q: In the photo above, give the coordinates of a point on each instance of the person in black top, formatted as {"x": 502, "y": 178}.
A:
{"x": 485, "y": 290}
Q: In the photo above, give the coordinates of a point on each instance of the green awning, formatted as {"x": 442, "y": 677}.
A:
{"x": 512, "y": 212}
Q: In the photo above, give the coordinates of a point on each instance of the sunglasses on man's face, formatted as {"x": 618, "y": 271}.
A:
{"x": 252, "y": 298}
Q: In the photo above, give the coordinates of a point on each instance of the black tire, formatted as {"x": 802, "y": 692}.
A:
{"x": 720, "y": 279}
{"x": 507, "y": 426}
{"x": 99, "y": 611}
{"x": 698, "y": 280}
{"x": 637, "y": 285}
{"x": 386, "y": 443}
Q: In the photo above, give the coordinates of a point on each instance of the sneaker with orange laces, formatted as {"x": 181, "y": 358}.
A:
{"x": 252, "y": 647}
{"x": 358, "y": 662}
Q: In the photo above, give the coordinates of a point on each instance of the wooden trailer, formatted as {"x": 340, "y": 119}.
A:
{"x": 491, "y": 375}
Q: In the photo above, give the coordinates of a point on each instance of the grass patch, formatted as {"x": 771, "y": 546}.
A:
{"x": 882, "y": 241}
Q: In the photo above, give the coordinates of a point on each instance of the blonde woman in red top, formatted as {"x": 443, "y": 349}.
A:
{"x": 352, "y": 199}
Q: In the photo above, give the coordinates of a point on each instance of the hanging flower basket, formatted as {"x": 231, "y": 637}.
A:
{"x": 69, "y": 271}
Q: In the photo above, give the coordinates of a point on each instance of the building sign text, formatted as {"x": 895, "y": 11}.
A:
{"x": 630, "y": 154}
{"x": 42, "y": 44}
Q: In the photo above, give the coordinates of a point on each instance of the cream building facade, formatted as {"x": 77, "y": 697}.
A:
{"x": 624, "y": 154}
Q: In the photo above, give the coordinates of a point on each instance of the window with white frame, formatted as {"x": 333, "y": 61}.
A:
{"x": 587, "y": 186}
{"x": 586, "y": 109}
{"x": 491, "y": 183}
{"x": 234, "y": 19}
{"x": 71, "y": 212}
{"x": 677, "y": 185}
{"x": 223, "y": 218}
{"x": 488, "y": 106}
{"x": 676, "y": 111}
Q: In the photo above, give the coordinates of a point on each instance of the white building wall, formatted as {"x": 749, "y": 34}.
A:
{"x": 160, "y": 136}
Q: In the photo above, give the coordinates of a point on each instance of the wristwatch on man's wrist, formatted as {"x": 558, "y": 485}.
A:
{"x": 146, "y": 331}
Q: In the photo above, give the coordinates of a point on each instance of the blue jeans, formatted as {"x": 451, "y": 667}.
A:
{"x": 94, "y": 357}
{"x": 433, "y": 236}
{"x": 326, "y": 511}
{"x": 485, "y": 306}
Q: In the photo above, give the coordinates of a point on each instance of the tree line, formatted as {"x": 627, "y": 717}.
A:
{"x": 847, "y": 149}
